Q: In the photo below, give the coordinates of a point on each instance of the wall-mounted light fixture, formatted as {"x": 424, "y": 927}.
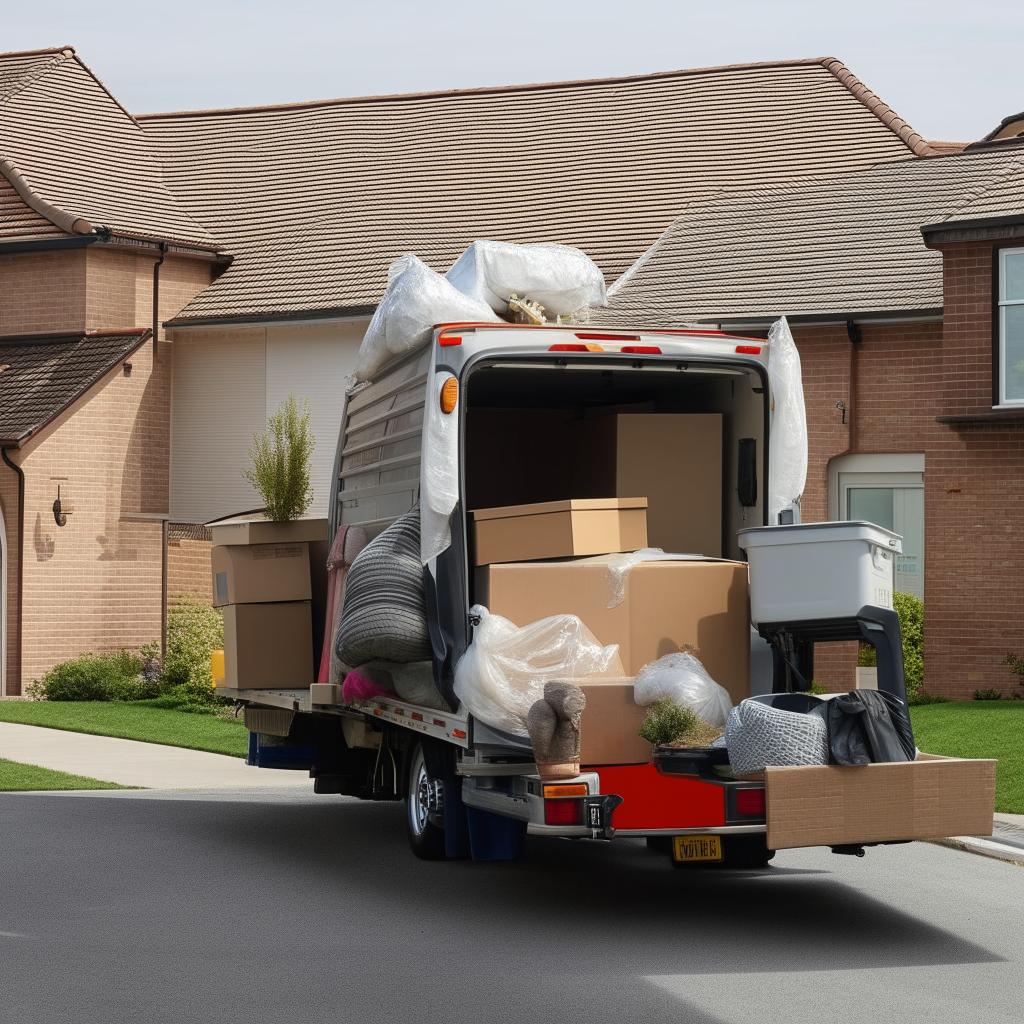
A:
{"x": 60, "y": 512}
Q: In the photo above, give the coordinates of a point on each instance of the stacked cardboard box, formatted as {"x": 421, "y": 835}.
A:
{"x": 263, "y": 579}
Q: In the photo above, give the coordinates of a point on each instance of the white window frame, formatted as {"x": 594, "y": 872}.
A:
{"x": 1001, "y": 305}
{"x": 892, "y": 470}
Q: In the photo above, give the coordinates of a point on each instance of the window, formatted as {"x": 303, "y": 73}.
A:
{"x": 887, "y": 490}
{"x": 1011, "y": 327}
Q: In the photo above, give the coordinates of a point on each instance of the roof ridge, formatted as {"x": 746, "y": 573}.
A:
{"x": 59, "y": 57}
{"x": 483, "y": 90}
{"x": 40, "y": 51}
{"x": 911, "y": 138}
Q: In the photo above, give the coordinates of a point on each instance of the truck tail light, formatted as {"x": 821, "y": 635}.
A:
{"x": 448, "y": 340}
{"x": 563, "y": 811}
{"x": 750, "y": 803}
{"x": 749, "y": 350}
{"x": 563, "y": 346}
{"x": 642, "y": 350}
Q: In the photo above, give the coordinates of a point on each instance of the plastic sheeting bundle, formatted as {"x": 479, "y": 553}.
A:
{"x": 682, "y": 679}
{"x": 562, "y": 279}
{"x": 787, "y": 443}
{"x": 504, "y": 670}
{"x": 758, "y": 735}
{"x": 415, "y": 300}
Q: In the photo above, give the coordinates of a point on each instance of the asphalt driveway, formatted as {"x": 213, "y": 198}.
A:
{"x": 281, "y": 907}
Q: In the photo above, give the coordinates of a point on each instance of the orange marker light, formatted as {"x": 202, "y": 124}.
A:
{"x": 571, "y": 789}
{"x": 449, "y": 395}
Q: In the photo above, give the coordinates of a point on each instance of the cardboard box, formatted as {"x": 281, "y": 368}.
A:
{"x": 268, "y": 646}
{"x": 256, "y": 573}
{"x": 256, "y": 529}
{"x": 325, "y": 693}
{"x": 676, "y": 460}
{"x": 832, "y": 805}
{"x": 559, "y": 529}
{"x": 665, "y": 605}
{"x": 609, "y": 728}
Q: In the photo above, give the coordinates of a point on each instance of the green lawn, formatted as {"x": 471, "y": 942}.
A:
{"x": 132, "y": 721}
{"x": 16, "y": 777}
{"x": 979, "y": 729}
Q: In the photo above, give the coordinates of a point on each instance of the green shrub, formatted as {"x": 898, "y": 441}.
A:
{"x": 910, "y": 610}
{"x": 987, "y": 695}
{"x": 194, "y": 698}
{"x": 921, "y": 697}
{"x": 194, "y": 629}
{"x": 1016, "y": 666}
{"x": 667, "y": 722}
{"x": 116, "y": 676}
{"x": 280, "y": 462}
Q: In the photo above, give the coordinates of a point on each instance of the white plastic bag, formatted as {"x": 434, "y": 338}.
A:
{"x": 439, "y": 472}
{"x": 619, "y": 566}
{"x": 503, "y": 672}
{"x": 562, "y": 279}
{"x": 415, "y": 300}
{"x": 682, "y": 679}
{"x": 787, "y": 445}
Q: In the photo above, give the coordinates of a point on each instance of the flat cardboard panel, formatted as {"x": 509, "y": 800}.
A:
{"x": 255, "y": 573}
{"x": 665, "y": 605}
{"x": 559, "y": 530}
{"x": 830, "y": 805}
{"x": 268, "y": 646}
{"x": 271, "y": 721}
{"x": 609, "y": 728}
{"x": 258, "y": 530}
{"x": 675, "y": 459}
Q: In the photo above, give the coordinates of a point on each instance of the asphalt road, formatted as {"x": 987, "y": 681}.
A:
{"x": 300, "y": 910}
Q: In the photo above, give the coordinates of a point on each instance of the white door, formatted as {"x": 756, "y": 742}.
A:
{"x": 895, "y": 501}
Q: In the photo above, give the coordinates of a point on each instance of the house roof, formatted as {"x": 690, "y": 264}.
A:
{"x": 42, "y": 375}
{"x": 77, "y": 159}
{"x": 824, "y": 246}
{"x": 314, "y": 200}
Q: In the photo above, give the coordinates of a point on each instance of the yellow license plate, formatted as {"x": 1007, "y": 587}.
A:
{"x": 690, "y": 848}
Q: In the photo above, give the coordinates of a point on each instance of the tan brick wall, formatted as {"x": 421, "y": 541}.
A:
{"x": 41, "y": 292}
{"x": 188, "y": 569}
{"x": 94, "y": 584}
{"x": 9, "y": 508}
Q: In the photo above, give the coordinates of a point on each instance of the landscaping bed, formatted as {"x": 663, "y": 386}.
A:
{"x": 979, "y": 729}
{"x": 20, "y": 778}
{"x": 135, "y": 720}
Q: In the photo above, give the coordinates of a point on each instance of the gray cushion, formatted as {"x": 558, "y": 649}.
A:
{"x": 384, "y": 614}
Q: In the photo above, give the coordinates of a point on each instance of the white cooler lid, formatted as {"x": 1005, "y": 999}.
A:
{"x": 820, "y": 533}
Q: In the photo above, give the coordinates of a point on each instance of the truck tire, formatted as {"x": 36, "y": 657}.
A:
{"x": 424, "y": 821}
{"x": 738, "y": 853}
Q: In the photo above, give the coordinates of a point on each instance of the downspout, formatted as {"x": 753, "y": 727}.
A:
{"x": 156, "y": 299}
{"x": 21, "y": 553}
{"x": 854, "y": 334}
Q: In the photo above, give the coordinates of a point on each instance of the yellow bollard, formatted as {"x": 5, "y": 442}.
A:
{"x": 217, "y": 667}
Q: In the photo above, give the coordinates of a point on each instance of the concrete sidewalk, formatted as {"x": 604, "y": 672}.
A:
{"x": 130, "y": 763}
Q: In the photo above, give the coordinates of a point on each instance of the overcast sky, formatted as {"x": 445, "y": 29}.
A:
{"x": 952, "y": 69}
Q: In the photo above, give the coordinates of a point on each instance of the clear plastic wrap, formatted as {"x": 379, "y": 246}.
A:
{"x": 415, "y": 299}
{"x": 787, "y": 446}
{"x": 620, "y": 565}
{"x": 562, "y": 279}
{"x": 682, "y": 679}
{"x": 439, "y": 472}
{"x": 503, "y": 672}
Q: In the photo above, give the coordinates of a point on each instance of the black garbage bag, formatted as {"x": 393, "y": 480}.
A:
{"x": 866, "y": 726}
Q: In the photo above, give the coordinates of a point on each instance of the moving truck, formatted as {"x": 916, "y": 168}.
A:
{"x": 566, "y": 422}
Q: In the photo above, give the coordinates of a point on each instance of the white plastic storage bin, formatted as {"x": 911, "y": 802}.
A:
{"x": 816, "y": 571}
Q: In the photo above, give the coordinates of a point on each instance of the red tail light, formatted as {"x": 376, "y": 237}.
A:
{"x": 565, "y": 347}
{"x": 447, "y": 340}
{"x": 642, "y": 350}
{"x": 749, "y": 350}
{"x": 750, "y": 803}
{"x": 562, "y": 811}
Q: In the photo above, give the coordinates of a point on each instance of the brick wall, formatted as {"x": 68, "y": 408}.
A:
{"x": 94, "y": 584}
{"x": 188, "y": 568}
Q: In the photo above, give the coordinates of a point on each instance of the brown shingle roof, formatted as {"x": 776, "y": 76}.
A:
{"x": 825, "y": 246}
{"x": 314, "y": 200}
{"x": 41, "y": 375}
{"x": 76, "y": 157}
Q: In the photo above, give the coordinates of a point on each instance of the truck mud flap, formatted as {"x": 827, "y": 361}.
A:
{"x": 837, "y": 805}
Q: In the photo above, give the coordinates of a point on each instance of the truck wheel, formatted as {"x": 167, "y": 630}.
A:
{"x": 738, "y": 852}
{"x": 424, "y": 809}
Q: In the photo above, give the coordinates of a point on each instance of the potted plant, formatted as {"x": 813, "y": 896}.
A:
{"x": 280, "y": 463}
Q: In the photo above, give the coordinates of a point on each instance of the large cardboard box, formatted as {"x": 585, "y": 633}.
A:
{"x": 257, "y": 529}
{"x": 609, "y": 728}
{"x": 256, "y": 573}
{"x": 675, "y": 459}
{"x": 268, "y": 646}
{"x": 833, "y": 805}
{"x": 665, "y": 605}
{"x": 559, "y": 529}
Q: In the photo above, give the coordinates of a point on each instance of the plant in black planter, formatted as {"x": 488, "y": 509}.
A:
{"x": 280, "y": 462}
